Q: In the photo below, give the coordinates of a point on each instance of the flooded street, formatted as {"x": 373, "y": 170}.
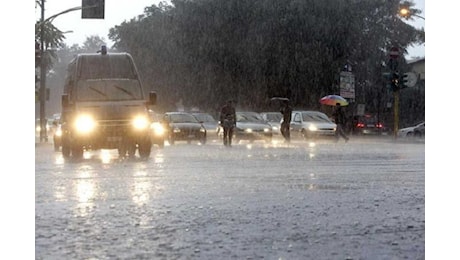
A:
{"x": 364, "y": 199}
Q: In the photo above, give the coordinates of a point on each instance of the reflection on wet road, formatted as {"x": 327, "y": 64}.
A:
{"x": 323, "y": 200}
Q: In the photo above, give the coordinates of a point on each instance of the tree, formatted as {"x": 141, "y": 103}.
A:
{"x": 251, "y": 50}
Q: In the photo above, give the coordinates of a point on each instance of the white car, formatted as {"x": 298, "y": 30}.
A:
{"x": 311, "y": 125}
{"x": 273, "y": 119}
{"x": 408, "y": 131}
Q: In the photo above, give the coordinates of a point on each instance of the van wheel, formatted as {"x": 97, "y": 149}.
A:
{"x": 145, "y": 148}
{"x": 65, "y": 150}
{"x": 77, "y": 151}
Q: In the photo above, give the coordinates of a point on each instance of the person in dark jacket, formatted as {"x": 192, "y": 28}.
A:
{"x": 340, "y": 121}
{"x": 228, "y": 121}
{"x": 286, "y": 111}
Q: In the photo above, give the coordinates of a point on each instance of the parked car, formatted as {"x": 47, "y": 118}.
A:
{"x": 311, "y": 125}
{"x": 273, "y": 119}
{"x": 158, "y": 129}
{"x": 408, "y": 131}
{"x": 209, "y": 122}
{"x": 419, "y": 131}
{"x": 251, "y": 126}
{"x": 183, "y": 126}
{"x": 368, "y": 125}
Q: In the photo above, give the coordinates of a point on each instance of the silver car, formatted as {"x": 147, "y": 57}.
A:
{"x": 209, "y": 122}
{"x": 311, "y": 124}
{"x": 273, "y": 119}
{"x": 251, "y": 126}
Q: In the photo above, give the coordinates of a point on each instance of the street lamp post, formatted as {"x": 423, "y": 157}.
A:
{"x": 42, "y": 91}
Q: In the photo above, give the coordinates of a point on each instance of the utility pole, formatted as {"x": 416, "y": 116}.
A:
{"x": 42, "y": 91}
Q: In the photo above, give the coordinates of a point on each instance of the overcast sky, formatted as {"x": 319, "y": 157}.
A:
{"x": 117, "y": 12}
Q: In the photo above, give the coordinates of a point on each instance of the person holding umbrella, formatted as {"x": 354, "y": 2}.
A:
{"x": 228, "y": 121}
{"x": 286, "y": 111}
{"x": 340, "y": 120}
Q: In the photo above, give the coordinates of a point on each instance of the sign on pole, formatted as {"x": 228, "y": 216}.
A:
{"x": 394, "y": 52}
{"x": 347, "y": 84}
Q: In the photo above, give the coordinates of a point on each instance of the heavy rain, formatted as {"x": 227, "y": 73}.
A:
{"x": 312, "y": 196}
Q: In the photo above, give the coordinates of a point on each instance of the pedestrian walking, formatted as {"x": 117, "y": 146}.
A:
{"x": 286, "y": 111}
{"x": 228, "y": 122}
{"x": 340, "y": 121}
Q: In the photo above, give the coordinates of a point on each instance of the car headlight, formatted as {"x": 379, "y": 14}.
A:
{"x": 202, "y": 129}
{"x": 140, "y": 122}
{"x": 248, "y": 130}
{"x": 266, "y": 130}
{"x": 176, "y": 130}
{"x": 84, "y": 124}
{"x": 313, "y": 128}
{"x": 157, "y": 128}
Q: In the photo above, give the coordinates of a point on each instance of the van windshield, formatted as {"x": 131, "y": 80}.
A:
{"x": 106, "y": 67}
{"x": 109, "y": 90}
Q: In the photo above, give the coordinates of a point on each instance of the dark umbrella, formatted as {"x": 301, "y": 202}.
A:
{"x": 279, "y": 99}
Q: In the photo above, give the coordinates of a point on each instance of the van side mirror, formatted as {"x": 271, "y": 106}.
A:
{"x": 152, "y": 98}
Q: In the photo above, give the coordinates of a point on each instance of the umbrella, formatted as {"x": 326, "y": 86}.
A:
{"x": 332, "y": 100}
{"x": 279, "y": 98}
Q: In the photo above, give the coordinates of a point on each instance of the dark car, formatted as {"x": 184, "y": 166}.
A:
{"x": 368, "y": 125}
{"x": 183, "y": 126}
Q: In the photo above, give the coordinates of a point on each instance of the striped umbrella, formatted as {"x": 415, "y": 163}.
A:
{"x": 332, "y": 100}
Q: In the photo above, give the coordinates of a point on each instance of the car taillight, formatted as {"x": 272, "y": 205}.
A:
{"x": 379, "y": 125}
{"x": 360, "y": 125}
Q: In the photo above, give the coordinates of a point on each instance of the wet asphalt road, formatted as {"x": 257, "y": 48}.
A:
{"x": 364, "y": 199}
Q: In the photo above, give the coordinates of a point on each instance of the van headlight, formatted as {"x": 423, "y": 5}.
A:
{"x": 85, "y": 124}
{"x": 140, "y": 122}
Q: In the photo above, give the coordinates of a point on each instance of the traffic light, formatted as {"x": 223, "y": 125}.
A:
{"x": 92, "y": 9}
{"x": 404, "y": 80}
{"x": 387, "y": 79}
{"x": 395, "y": 81}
